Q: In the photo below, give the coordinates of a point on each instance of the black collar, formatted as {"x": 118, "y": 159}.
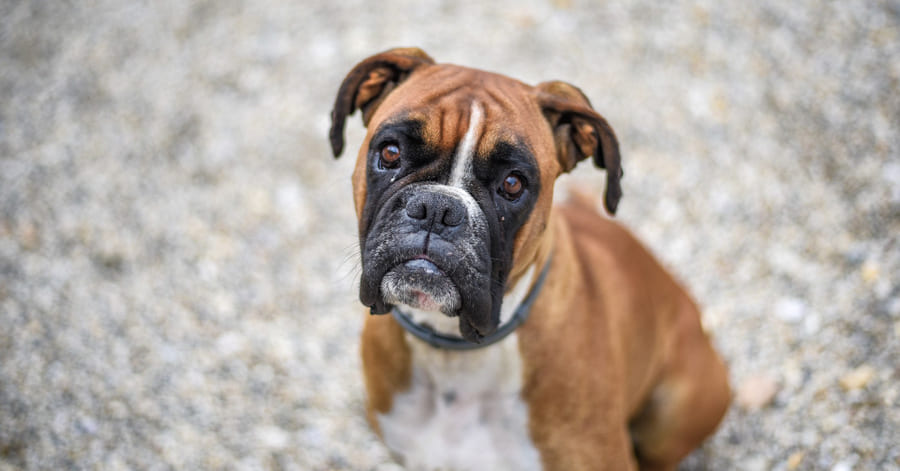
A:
{"x": 450, "y": 342}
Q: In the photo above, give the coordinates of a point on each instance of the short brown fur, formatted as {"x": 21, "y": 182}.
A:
{"x": 386, "y": 361}
{"x": 645, "y": 335}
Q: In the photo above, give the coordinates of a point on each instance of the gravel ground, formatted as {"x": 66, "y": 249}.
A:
{"x": 177, "y": 254}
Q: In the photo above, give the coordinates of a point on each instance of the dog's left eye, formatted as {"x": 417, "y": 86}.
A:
{"x": 390, "y": 156}
{"x": 512, "y": 186}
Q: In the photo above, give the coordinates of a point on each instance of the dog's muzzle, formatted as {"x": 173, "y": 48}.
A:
{"x": 428, "y": 248}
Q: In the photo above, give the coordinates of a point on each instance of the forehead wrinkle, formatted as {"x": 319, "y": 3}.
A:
{"x": 510, "y": 109}
{"x": 502, "y": 100}
{"x": 449, "y": 122}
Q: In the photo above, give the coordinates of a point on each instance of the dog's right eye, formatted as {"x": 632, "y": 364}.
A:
{"x": 512, "y": 186}
{"x": 390, "y": 156}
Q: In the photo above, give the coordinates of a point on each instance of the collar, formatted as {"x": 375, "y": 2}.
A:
{"x": 451, "y": 342}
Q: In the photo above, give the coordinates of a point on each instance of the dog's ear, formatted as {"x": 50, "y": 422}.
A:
{"x": 580, "y": 132}
{"x": 368, "y": 83}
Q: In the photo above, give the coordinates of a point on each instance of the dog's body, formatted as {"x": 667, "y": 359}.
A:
{"x": 453, "y": 189}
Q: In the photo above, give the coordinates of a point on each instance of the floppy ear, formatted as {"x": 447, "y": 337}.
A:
{"x": 580, "y": 132}
{"x": 368, "y": 83}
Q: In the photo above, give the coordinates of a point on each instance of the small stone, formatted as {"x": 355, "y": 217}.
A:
{"x": 889, "y": 396}
{"x": 883, "y": 288}
{"x": 893, "y": 307}
{"x": 258, "y": 201}
{"x": 757, "y": 392}
{"x": 810, "y": 437}
{"x": 87, "y": 425}
{"x": 758, "y": 463}
{"x": 272, "y": 437}
{"x": 790, "y": 310}
{"x": 870, "y": 271}
{"x": 795, "y": 459}
{"x": 230, "y": 343}
{"x": 842, "y": 466}
{"x": 835, "y": 421}
{"x": 280, "y": 348}
{"x": 846, "y": 464}
{"x": 891, "y": 174}
{"x": 291, "y": 204}
{"x": 811, "y": 324}
{"x": 29, "y": 236}
{"x": 117, "y": 410}
{"x": 858, "y": 378}
{"x": 389, "y": 467}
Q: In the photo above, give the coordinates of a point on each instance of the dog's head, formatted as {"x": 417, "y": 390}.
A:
{"x": 454, "y": 182}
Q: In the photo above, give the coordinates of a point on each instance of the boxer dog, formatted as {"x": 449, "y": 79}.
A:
{"x": 518, "y": 335}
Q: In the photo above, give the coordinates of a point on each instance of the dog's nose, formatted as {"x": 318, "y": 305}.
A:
{"x": 436, "y": 208}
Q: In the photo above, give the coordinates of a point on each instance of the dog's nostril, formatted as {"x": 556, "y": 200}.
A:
{"x": 416, "y": 209}
{"x": 436, "y": 209}
{"x": 453, "y": 217}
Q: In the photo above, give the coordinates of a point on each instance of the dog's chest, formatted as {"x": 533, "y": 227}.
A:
{"x": 463, "y": 411}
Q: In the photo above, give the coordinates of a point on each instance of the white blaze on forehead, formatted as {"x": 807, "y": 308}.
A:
{"x": 462, "y": 162}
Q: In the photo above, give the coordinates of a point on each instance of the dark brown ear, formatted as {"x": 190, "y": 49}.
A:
{"x": 368, "y": 83}
{"x": 581, "y": 133}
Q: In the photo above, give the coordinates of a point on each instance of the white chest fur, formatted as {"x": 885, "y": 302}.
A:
{"x": 463, "y": 411}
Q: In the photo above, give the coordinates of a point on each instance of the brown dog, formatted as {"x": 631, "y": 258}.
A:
{"x": 521, "y": 336}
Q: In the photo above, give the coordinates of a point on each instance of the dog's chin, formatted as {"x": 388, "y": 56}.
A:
{"x": 420, "y": 284}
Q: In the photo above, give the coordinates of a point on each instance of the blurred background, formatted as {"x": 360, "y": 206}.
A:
{"x": 178, "y": 260}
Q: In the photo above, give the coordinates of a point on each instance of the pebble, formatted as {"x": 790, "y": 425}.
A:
{"x": 756, "y": 463}
{"x": 757, "y": 391}
{"x": 29, "y": 236}
{"x": 231, "y": 343}
{"x": 389, "y": 467}
{"x": 292, "y": 207}
{"x": 811, "y": 324}
{"x": 87, "y": 425}
{"x": 891, "y": 174}
{"x": 272, "y": 437}
{"x": 893, "y": 307}
{"x": 858, "y": 378}
{"x": 846, "y": 464}
{"x": 280, "y": 348}
{"x": 870, "y": 271}
{"x": 795, "y": 459}
{"x": 791, "y": 310}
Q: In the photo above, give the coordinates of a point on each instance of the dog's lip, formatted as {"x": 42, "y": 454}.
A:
{"x": 425, "y": 263}
{"x": 420, "y": 283}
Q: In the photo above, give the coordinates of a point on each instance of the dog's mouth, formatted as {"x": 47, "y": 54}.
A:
{"x": 430, "y": 265}
{"x": 421, "y": 284}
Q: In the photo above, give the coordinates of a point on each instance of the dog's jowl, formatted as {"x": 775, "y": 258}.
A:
{"x": 509, "y": 333}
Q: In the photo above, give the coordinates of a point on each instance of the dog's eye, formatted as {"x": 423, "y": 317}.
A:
{"x": 390, "y": 156}
{"x": 512, "y": 186}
